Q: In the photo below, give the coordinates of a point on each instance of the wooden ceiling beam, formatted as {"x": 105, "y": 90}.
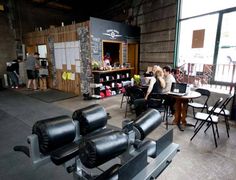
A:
{"x": 59, "y": 5}
{"x": 53, "y": 4}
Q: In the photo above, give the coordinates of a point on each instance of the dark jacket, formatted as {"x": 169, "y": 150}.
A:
{"x": 13, "y": 67}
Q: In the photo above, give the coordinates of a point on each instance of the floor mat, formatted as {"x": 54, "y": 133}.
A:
{"x": 51, "y": 95}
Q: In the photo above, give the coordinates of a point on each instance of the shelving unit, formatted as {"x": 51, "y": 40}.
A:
{"x": 112, "y": 79}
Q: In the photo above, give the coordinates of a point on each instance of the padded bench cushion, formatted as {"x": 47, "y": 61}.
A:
{"x": 99, "y": 149}
{"x": 54, "y": 133}
{"x": 65, "y": 153}
{"x": 90, "y": 118}
{"x": 147, "y": 122}
{"x": 98, "y": 132}
{"x": 69, "y": 151}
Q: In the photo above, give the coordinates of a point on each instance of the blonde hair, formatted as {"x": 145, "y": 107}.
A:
{"x": 159, "y": 74}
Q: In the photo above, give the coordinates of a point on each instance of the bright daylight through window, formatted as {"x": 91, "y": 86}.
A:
{"x": 207, "y": 39}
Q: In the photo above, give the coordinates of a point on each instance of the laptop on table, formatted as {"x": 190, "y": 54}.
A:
{"x": 178, "y": 89}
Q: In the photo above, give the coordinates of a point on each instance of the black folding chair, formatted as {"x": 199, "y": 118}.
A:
{"x": 210, "y": 118}
{"x": 125, "y": 97}
{"x": 133, "y": 92}
{"x": 157, "y": 101}
{"x": 223, "y": 111}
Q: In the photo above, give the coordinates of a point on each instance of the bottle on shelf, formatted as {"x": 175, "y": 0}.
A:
{"x": 132, "y": 81}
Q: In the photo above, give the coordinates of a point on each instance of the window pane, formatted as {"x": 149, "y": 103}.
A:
{"x": 197, "y": 40}
{"x": 196, "y": 7}
{"x": 227, "y": 50}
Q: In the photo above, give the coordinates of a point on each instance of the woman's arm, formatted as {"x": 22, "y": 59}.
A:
{"x": 162, "y": 82}
{"x": 150, "y": 87}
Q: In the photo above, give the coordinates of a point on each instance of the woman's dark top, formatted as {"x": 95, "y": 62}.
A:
{"x": 157, "y": 89}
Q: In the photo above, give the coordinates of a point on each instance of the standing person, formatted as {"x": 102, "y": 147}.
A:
{"x": 13, "y": 72}
{"x": 107, "y": 60}
{"x": 30, "y": 68}
{"x": 169, "y": 79}
{"x": 37, "y": 67}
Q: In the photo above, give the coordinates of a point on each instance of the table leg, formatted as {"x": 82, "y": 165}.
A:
{"x": 184, "y": 108}
{"x": 177, "y": 111}
{"x": 184, "y": 113}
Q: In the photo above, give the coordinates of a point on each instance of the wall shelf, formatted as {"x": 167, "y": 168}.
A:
{"x": 106, "y": 76}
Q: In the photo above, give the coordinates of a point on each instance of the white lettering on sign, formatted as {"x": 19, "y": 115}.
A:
{"x": 112, "y": 33}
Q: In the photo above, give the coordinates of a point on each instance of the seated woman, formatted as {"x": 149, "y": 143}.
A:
{"x": 157, "y": 83}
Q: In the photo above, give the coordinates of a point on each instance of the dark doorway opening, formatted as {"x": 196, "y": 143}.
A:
{"x": 114, "y": 49}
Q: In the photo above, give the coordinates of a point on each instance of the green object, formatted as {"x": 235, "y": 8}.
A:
{"x": 95, "y": 65}
{"x": 137, "y": 79}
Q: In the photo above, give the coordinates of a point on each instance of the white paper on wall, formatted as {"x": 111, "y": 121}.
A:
{"x": 58, "y": 60}
{"x": 77, "y": 69}
{"x": 77, "y": 62}
{"x": 68, "y": 58}
{"x": 72, "y": 77}
{"x": 67, "y": 53}
{"x": 77, "y": 65}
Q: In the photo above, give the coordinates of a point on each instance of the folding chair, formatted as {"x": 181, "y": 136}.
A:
{"x": 125, "y": 97}
{"x": 223, "y": 111}
{"x": 210, "y": 119}
{"x": 133, "y": 92}
{"x": 205, "y": 94}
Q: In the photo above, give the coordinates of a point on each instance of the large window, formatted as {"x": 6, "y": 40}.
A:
{"x": 197, "y": 39}
{"x": 226, "y": 58}
{"x": 190, "y": 8}
{"x": 207, "y": 39}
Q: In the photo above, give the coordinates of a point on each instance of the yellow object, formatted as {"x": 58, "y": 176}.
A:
{"x": 137, "y": 79}
{"x": 1, "y": 7}
{"x": 64, "y": 76}
{"x": 69, "y": 75}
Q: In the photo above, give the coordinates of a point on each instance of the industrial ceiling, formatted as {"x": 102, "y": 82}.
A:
{"x": 87, "y": 8}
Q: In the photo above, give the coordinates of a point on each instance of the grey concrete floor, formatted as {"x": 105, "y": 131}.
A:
{"x": 197, "y": 159}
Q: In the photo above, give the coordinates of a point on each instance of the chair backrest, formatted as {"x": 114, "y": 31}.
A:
{"x": 204, "y": 92}
{"x": 216, "y": 105}
{"x": 227, "y": 100}
{"x": 225, "y": 103}
{"x": 135, "y": 93}
{"x": 156, "y": 100}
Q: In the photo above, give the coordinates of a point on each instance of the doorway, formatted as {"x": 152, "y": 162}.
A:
{"x": 114, "y": 49}
{"x": 133, "y": 57}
